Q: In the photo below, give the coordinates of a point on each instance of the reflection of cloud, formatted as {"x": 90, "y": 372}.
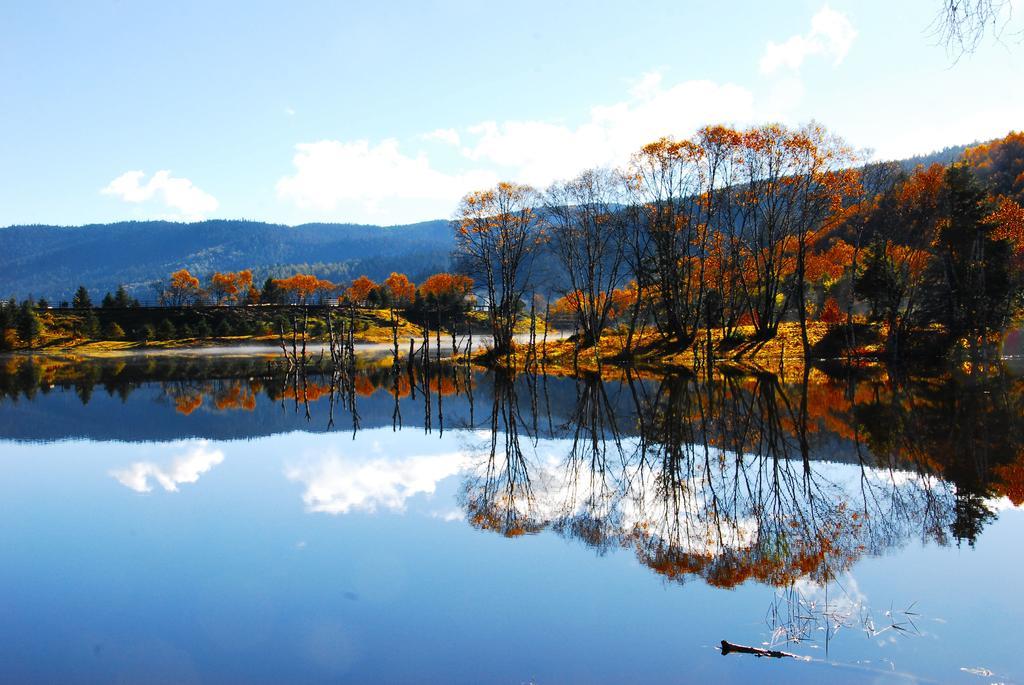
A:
{"x": 449, "y": 516}
{"x": 337, "y": 486}
{"x": 185, "y": 468}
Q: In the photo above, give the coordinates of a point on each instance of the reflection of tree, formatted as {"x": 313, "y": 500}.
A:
{"x": 498, "y": 495}
{"x": 747, "y": 478}
{"x": 964, "y": 428}
{"x": 589, "y": 478}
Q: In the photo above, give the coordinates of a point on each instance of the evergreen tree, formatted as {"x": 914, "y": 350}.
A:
{"x": 145, "y": 333}
{"x": 81, "y": 300}
{"x": 121, "y": 299}
{"x": 876, "y": 282}
{"x": 974, "y": 289}
{"x": 108, "y": 301}
{"x": 271, "y": 293}
{"x": 29, "y": 326}
{"x": 7, "y": 317}
{"x": 91, "y": 325}
{"x": 166, "y": 330}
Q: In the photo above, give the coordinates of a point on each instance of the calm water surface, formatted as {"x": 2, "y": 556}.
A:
{"x": 190, "y": 519}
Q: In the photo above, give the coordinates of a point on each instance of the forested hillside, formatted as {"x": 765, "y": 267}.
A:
{"x": 51, "y": 261}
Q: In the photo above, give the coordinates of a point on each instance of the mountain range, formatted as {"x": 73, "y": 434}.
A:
{"x": 52, "y": 261}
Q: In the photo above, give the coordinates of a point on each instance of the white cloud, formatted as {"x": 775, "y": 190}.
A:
{"x": 831, "y": 35}
{"x": 378, "y": 182}
{"x": 335, "y": 485}
{"x": 445, "y": 135}
{"x": 330, "y": 174}
{"x": 176, "y": 193}
{"x": 540, "y": 152}
{"x": 185, "y": 468}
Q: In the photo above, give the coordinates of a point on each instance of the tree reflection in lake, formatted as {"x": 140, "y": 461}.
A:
{"x": 710, "y": 484}
{"x": 729, "y": 478}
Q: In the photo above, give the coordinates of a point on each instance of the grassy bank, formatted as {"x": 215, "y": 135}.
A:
{"x": 116, "y": 330}
{"x": 741, "y": 351}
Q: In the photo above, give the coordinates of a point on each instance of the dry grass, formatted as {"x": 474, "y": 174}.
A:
{"x": 782, "y": 354}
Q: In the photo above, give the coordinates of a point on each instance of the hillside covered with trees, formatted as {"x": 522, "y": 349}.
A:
{"x": 51, "y": 261}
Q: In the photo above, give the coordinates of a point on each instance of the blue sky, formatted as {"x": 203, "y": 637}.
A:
{"x": 389, "y": 112}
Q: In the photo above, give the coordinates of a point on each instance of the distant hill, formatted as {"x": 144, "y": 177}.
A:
{"x": 52, "y": 261}
{"x": 945, "y": 156}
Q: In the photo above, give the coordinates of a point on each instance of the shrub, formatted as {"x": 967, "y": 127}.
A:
{"x": 166, "y": 330}
{"x": 145, "y": 333}
{"x": 112, "y": 331}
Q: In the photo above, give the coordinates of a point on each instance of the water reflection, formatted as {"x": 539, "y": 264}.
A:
{"x": 712, "y": 485}
{"x": 777, "y": 484}
{"x": 336, "y": 484}
{"x": 184, "y": 468}
{"x": 733, "y": 478}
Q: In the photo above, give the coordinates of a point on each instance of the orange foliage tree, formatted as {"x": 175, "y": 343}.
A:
{"x": 231, "y": 287}
{"x": 302, "y": 287}
{"x": 445, "y": 285}
{"x": 359, "y": 291}
{"x": 497, "y": 237}
{"x": 1000, "y": 165}
{"x": 183, "y": 289}
{"x": 400, "y": 289}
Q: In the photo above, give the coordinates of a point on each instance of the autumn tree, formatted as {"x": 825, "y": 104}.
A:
{"x": 585, "y": 221}
{"x": 302, "y": 288}
{"x": 359, "y": 291}
{"x": 443, "y": 298}
{"x": 497, "y": 239}
{"x": 232, "y": 287}
{"x": 400, "y": 292}
{"x": 673, "y": 184}
{"x": 183, "y": 289}
{"x": 977, "y": 291}
{"x": 999, "y": 165}
{"x": 893, "y": 277}
{"x": 400, "y": 289}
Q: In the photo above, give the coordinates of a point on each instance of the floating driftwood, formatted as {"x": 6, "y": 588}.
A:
{"x": 728, "y": 647}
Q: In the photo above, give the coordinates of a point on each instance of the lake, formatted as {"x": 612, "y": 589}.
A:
{"x": 190, "y": 518}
